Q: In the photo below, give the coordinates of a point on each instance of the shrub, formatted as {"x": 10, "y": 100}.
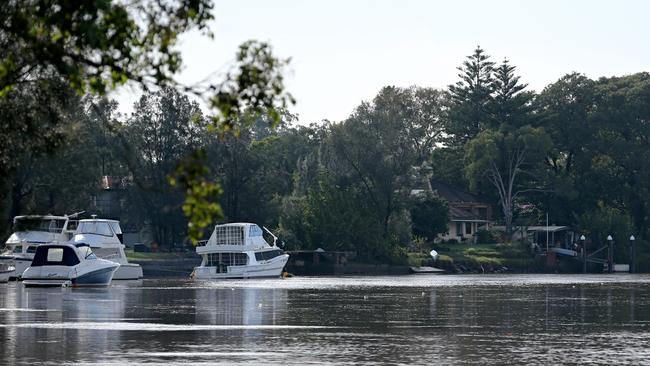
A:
{"x": 485, "y": 237}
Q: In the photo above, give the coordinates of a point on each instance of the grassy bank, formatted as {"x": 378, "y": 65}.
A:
{"x": 487, "y": 256}
{"x": 150, "y": 256}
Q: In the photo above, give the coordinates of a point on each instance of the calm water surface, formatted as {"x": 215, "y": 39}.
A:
{"x": 498, "y": 319}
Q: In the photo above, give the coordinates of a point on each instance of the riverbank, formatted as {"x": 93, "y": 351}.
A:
{"x": 486, "y": 258}
{"x": 158, "y": 265}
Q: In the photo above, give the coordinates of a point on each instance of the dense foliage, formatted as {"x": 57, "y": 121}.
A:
{"x": 52, "y": 48}
{"x": 577, "y": 151}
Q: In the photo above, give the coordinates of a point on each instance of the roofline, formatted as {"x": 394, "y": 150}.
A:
{"x": 102, "y": 220}
{"x": 236, "y": 224}
{"x": 461, "y": 220}
{"x": 41, "y": 217}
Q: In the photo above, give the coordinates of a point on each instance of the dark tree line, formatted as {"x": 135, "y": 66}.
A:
{"x": 577, "y": 150}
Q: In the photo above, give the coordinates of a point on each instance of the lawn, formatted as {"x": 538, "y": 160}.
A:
{"x": 150, "y": 256}
{"x": 502, "y": 254}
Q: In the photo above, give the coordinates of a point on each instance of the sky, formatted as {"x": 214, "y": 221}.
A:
{"x": 344, "y": 52}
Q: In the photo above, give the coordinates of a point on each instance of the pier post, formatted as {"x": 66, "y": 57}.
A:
{"x": 632, "y": 254}
{"x": 610, "y": 254}
{"x": 584, "y": 253}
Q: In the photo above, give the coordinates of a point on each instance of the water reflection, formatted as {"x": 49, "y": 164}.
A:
{"x": 411, "y": 320}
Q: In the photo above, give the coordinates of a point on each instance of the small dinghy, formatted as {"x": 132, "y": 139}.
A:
{"x": 68, "y": 265}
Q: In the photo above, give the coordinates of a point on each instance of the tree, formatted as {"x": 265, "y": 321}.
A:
{"x": 429, "y": 216}
{"x": 358, "y": 174}
{"x": 33, "y": 122}
{"x": 512, "y": 103}
{"x": 505, "y": 157}
{"x": 565, "y": 109}
{"x": 471, "y": 99}
{"x": 165, "y": 128}
{"x": 93, "y": 46}
{"x": 381, "y": 141}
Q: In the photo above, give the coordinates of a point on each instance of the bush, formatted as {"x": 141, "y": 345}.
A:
{"x": 485, "y": 237}
{"x": 444, "y": 261}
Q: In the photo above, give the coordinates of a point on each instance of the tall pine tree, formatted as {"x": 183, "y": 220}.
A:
{"x": 511, "y": 104}
{"x": 472, "y": 98}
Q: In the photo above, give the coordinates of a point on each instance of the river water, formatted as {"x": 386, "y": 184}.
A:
{"x": 467, "y": 319}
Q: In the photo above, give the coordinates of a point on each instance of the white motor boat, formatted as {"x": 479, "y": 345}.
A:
{"x": 68, "y": 265}
{"x": 5, "y": 271}
{"x": 239, "y": 250}
{"x": 104, "y": 237}
{"x": 31, "y": 231}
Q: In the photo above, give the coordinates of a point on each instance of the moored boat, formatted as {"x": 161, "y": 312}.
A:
{"x": 239, "y": 250}
{"x": 68, "y": 265}
{"x": 105, "y": 238}
{"x": 30, "y": 231}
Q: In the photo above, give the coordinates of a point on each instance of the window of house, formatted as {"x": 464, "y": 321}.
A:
{"x": 468, "y": 228}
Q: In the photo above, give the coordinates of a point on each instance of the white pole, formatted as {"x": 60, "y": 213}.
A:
{"x": 547, "y": 232}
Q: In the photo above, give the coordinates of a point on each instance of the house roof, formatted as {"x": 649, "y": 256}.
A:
{"x": 462, "y": 214}
{"x": 453, "y": 195}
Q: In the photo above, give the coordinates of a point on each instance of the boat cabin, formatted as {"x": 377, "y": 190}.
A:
{"x": 56, "y": 255}
{"x": 33, "y": 230}
{"x": 101, "y": 227}
{"x": 238, "y": 235}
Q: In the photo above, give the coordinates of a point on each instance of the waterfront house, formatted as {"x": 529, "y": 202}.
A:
{"x": 467, "y": 212}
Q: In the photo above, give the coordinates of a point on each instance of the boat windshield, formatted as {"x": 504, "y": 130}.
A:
{"x": 255, "y": 231}
{"x": 86, "y": 253}
{"x": 95, "y": 227}
{"x": 116, "y": 227}
{"x": 39, "y": 224}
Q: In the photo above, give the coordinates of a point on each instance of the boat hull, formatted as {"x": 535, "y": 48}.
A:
{"x": 100, "y": 277}
{"x": 20, "y": 264}
{"x": 53, "y": 276}
{"x": 272, "y": 268}
{"x": 129, "y": 271}
{"x": 5, "y": 274}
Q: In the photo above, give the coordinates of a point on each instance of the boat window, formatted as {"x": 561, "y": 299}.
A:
{"x": 31, "y": 249}
{"x": 55, "y": 256}
{"x": 116, "y": 227}
{"x": 56, "y": 226}
{"x": 222, "y": 260}
{"x": 255, "y": 231}
{"x": 72, "y": 225}
{"x": 38, "y": 224}
{"x": 18, "y": 249}
{"x": 229, "y": 235}
{"x": 269, "y": 254}
{"x": 95, "y": 227}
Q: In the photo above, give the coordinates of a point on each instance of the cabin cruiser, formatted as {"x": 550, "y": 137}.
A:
{"x": 31, "y": 231}
{"x": 238, "y": 250}
{"x": 68, "y": 265}
{"x": 105, "y": 238}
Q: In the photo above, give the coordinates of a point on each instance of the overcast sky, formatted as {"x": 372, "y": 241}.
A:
{"x": 343, "y": 52}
